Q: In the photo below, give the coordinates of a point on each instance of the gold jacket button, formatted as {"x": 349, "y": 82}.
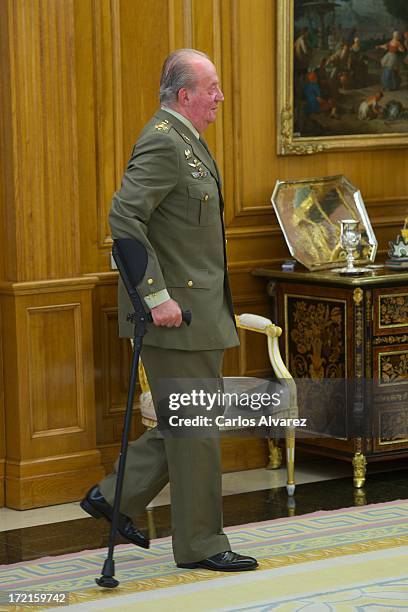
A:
{"x": 190, "y": 283}
{"x": 150, "y": 281}
{"x": 206, "y": 197}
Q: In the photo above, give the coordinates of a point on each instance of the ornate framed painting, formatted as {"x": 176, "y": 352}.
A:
{"x": 309, "y": 213}
{"x": 342, "y": 70}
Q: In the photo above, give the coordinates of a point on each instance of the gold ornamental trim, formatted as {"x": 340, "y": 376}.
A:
{"x": 359, "y": 470}
{"x": 391, "y": 442}
{"x": 392, "y": 309}
{"x": 358, "y": 446}
{"x": 391, "y": 423}
{"x": 358, "y": 296}
{"x": 368, "y": 343}
{"x": 396, "y": 374}
{"x": 390, "y": 340}
{"x": 286, "y": 137}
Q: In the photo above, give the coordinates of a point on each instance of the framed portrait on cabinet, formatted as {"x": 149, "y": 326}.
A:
{"x": 342, "y": 70}
{"x": 310, "y": 213}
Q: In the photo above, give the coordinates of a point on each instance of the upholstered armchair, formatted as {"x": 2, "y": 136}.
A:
{"x": 261, "y": 325}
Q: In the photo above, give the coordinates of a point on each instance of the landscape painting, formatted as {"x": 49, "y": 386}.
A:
{"x": 342, "y": 74}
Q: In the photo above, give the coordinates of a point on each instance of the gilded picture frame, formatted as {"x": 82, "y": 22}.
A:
{"x": 300, "y": 130}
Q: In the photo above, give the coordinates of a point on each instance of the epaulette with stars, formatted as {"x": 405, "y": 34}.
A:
{"x": 163, "y": 126}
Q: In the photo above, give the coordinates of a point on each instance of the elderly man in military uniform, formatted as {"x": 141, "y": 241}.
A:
{"x": 170, "y": 200}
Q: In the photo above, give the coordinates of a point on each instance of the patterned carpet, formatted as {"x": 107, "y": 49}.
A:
{"x": 350, "y": 559}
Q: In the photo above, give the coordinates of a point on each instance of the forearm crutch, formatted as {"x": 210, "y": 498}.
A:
{"x": 131, "y": 259}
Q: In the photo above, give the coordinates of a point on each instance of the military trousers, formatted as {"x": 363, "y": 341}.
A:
{"x": 191, "y": 464}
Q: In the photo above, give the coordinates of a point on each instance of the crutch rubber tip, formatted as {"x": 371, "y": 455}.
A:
{"x": 107, "y": 581}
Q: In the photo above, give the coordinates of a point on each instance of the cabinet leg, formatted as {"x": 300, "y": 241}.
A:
{"x": 359, "y": 470}
{"x": 290, "y": 459}
{"x": 150, "y": 523}
{"x": 360, "y": 498}
{"x": 275, "y": 455}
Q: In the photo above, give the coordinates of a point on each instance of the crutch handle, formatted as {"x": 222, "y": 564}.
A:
{"x": 185, "y": 315}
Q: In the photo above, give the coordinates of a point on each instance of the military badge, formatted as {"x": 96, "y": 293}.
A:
{"x": 195, "y": 163}
{"x": 199, "y": 173}
{"x": 187, "y": 153}
{"x": 163, "y": 126}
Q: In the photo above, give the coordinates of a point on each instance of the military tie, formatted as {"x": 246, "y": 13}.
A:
{"x": 204, "y": 144}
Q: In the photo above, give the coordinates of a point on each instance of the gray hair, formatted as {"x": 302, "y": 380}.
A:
{"x": 178, "y": 72}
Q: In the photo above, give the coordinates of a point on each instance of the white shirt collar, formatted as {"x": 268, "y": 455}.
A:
{"x": 184, "y": 120}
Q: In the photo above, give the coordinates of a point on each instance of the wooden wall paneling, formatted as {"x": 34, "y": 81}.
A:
{"x": 225, "y": 70}
{"x": 112, "y": 368}
{"x": 250, "y": 246}
{"x": 2, "y": 419}
{"x": 123, "y": 82}
{"x": 252, "y": 232}
{"x": 6, "y": 145}
{"x": 5, "y": 177}
{"x": 387, "y": 211}
{"x": 245, "y": 245}
{"x": 254, "y": 44}
{"x": 240, "y": 453}
{"x": 44, "y": 136}
{"x": 187, "y": 11}
{"x": 109, "y": 112}
{"x": 144, "y": 46}
{"x": 249, "y": 296}
{"x": 179, "y": 24}
{"x": 205, "y": 35}
{"x": 99, "y": 38}
{"x": 216, "y": 55}
{"x": 93, "y": 256}
{"x": 8, "y": 258}
{"x": 387, "y": 216}
{"x": 49, "y": 392}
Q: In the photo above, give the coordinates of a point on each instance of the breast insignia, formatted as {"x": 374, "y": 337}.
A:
{"x": 163, "y": 126}
{"x": 199, "y": 173}
{"x": 187, "y": 153}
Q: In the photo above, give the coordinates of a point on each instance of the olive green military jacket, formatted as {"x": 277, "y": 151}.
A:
{"x": 170, "y": 200}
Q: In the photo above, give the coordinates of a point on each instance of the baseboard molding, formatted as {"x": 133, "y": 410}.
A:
{"x": 109, "y": 454}
{"x": 51, "y": 480}
{"x": 238, "y": 453}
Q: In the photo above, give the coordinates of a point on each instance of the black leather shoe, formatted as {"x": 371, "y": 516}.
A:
{"x": 227, "y": 561}
{"x": 96, "y": 505}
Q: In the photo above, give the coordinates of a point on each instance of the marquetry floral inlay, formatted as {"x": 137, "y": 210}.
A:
{"x": 394, "y": 310}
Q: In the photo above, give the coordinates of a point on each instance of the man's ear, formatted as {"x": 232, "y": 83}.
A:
{"x": 183, "y": 96}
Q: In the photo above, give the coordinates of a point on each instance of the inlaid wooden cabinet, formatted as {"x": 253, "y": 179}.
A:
{"x": 356, "y": 329}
